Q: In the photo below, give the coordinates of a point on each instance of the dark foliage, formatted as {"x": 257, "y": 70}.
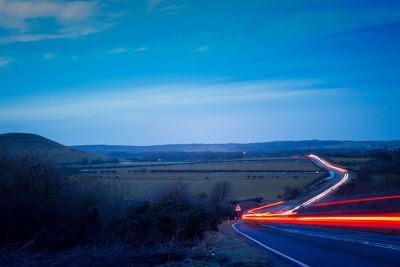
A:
{"x": 221, "y": 191}
{"x": 45, "y": 213}
{"x": 40, "y": 205}
{"x": 174, "y": 216}
{"x": 386, "y": 165}
{"x": 383, "y": 163}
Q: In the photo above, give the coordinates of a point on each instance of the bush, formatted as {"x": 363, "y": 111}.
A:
{"x": 48, "y": 217}
{"x": 221, "y": 191}
{"x": 172, "y": 216}
{"x": 40, "y": 205}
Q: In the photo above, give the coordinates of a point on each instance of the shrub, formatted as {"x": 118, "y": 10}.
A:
{"x": 48, "y": 217}
{"x": 40, "y": 205}
{"x": 173, "y": 215}
{"x": 221, "y": 190}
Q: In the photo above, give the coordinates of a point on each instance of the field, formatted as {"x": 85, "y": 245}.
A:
{"x": 248, "y": 179}
{"x": 353, "y": 163}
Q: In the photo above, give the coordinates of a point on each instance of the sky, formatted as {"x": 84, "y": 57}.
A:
{"x": 146, "y": 72}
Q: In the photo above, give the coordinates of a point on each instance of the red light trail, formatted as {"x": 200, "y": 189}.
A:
{"x": 356, "y": 200}
{"x": 389, "y": 220}
{"x": 266, "y": 206}
{"x": 346, "y": 176}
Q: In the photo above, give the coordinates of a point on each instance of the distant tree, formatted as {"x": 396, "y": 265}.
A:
{"x": 221, "y": 190}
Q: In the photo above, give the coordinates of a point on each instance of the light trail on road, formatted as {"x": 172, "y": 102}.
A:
{"x": 391, "y": 220}
{"x": 356, "y": 200}
{"x": 327, "y": 164}
{"x": 346, "y": 176}
{"x": 321, "y": 195}
{"x": 290, "y": 219}
{"x": 265, "y": 214}
{"x": 266, "y": 206}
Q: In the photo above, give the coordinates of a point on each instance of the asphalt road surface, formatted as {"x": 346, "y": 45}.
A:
{"x": 315, "y": 246}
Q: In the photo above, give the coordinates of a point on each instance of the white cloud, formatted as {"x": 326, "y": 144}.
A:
{"x": 202, "y": 48}
{"x": 5, "y": 60}
{"x": 140, "y": 49}
{"x": 117, "y": 50}
{"x": 142, "y": 100}
{"x": 171, "y": 10}
{"x": 29, "y": 38}
{"x": 72, "y": 19}
{"x": 124, "y": 50}
{"x": 153, "y": 4}
{"x": 49, "y": 56}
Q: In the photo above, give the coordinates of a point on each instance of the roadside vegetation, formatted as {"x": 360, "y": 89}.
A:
{"x": 49, "y": 217}
{"x": 378, "y": 172}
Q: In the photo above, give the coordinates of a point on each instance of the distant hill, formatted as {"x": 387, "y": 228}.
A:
{"x": 252, "y": 149}
{"x": 50, "y": 150}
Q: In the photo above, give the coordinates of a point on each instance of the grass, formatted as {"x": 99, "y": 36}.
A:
{"x": 239, "y": 249}
{"x": 284, "y": 166}
{"x": 222, "y": 248}
{"x": 139, "y": 181}
{"x": 46, "y": 149}
{"x": 227, "y": 248}
{"x": 241, "y": 188}
{"x": 353, "y": 163}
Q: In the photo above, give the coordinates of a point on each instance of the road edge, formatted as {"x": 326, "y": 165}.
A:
{"x": 269, "y": 248}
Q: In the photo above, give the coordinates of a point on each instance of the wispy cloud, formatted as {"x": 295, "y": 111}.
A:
{"x": 73, "y": 19}
{"x": 140, "y": 49}
{"x": 171, "y": 10}
{"x": 141, "y": 100}
{"x": 4, "y": 61}
{"x": 153, "y": 4}
{"x": 117, "y": 50}
{"x": 202, "y": 48}
{"x": 157, "y": 5}
{"x": 49, "y": 56}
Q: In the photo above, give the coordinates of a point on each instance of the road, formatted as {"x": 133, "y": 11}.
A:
{"x": 281, "y": 228}
{"x": 314, "y": 246}
{"x": 338, "y": 176}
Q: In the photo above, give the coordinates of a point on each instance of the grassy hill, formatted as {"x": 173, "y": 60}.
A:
{"x": 31, "y": 143}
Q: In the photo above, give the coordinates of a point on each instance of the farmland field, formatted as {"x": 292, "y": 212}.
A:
{"x": 248, "y": 179}
{"x": 351, "y": 162}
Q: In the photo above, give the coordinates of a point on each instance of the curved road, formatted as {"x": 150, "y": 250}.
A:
{"x": 306, "y": 245}
{"x": 313, "y": 246}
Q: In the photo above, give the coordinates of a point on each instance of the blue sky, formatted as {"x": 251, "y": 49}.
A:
{"x": 173, "y": 71}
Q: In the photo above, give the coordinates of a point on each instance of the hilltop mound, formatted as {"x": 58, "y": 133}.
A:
{"x": 48, "y": 149}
